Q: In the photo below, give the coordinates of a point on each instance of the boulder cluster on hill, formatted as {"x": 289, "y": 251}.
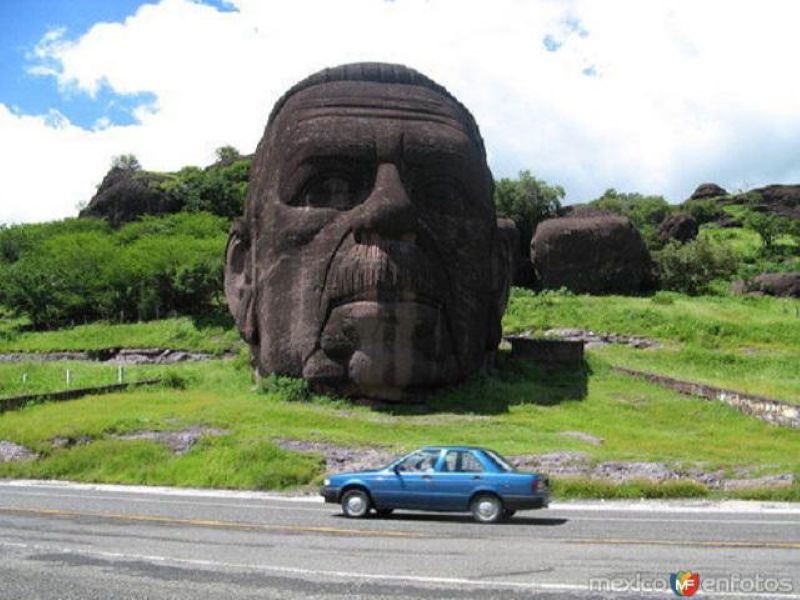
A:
{"x": 124, "y": 195}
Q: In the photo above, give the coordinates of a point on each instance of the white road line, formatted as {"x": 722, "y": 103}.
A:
{"x": 321, "y": 509}
{"x": 350, "y": 575}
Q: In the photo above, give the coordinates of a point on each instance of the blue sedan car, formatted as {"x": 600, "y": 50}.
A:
{"x": 441, "y": 478}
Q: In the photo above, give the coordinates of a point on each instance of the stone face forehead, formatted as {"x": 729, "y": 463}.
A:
{"x": 371, "y": 100}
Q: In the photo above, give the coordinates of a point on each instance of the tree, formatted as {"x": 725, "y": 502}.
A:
{"x": 126, "y": 162}
{"x": 227, "y": 154}
{"x": 768, "y": 227}
{"x": 527, "y": 201}
{"x": 640, "y": 209}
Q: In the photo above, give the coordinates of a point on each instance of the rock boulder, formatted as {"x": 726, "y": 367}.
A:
{"x": 680, "y": 226}
{"x": 596, "y": 254}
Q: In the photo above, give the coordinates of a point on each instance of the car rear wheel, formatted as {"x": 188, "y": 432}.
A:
{"x": 486, "y": 508}
{"x": 355, "y": 504}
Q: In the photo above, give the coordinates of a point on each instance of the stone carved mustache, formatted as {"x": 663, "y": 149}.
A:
{"x": 384, "y": 270}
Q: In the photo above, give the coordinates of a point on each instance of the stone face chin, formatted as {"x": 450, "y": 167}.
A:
{"x": 379, "y": 345}
{"x": 369, "y": 260}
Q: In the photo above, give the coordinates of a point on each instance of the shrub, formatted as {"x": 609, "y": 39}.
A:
{"x": 290, "y": 389}
{"x": 703, "y": 211}
{"x": 691, "y": 267}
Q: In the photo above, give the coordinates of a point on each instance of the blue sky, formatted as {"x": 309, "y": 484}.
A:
{"x": 654, "y": 97}
{"x": 22, "y": 24}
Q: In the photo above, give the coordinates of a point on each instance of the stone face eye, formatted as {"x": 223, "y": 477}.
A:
{"x": 329, "y": 191}
{"x": 338, "y": 189}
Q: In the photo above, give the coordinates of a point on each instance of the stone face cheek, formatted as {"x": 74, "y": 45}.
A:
{"x": 368, "y": 260}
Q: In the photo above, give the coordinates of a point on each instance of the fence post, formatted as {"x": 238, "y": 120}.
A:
{"x": 69, "y": 377}
{"x": 24, "y": 378}
{"x": 119, "y": 373}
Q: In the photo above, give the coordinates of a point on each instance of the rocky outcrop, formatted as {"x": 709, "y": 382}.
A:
{"x": 779, "y": 200}
{"x": 680, "y": 226}
{"x": 708, "y": 190}
{"x": 771, "y": 284}
{"x": 601, "y": 254}
{"x": 127, "y": 194}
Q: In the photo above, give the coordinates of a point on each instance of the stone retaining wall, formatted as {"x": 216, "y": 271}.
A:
{"x": 20, "y": 401}
{"x": 766, "y": 409}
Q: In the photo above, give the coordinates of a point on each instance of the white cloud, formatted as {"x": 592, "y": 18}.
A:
{"x": 682, "y": 92}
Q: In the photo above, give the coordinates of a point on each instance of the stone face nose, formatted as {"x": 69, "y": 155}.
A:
{"x": 388, "y": 212}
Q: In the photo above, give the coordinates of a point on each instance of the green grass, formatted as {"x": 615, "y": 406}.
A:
{"x": 179, "y": 333}
{"x": 707, "y": 321}
{"x": 518, "y": 411}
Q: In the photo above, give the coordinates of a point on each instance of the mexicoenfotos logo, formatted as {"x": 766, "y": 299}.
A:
{"x": 684, "y": 583}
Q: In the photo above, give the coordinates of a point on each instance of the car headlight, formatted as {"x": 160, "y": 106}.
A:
{"x": 326, "y": 482}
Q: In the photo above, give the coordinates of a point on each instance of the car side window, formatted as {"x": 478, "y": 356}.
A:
{"x": 459, "y": 461}
{"x": 424, "y": 460}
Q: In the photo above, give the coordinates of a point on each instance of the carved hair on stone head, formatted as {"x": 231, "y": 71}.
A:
{"x": 379, "y": 73}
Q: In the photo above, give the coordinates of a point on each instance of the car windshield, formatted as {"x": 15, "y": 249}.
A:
{"x": 500, "y": 461}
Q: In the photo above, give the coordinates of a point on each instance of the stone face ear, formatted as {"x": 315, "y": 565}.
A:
{"x": 239, "y": 281}
{"x": 504, "y": 252}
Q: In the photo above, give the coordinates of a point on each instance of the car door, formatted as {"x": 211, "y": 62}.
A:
{"x": 460, "y": 474}
{"x": 415, "y": 473}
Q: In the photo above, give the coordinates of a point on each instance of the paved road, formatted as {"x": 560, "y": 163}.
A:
{"x": 84, "y": 542}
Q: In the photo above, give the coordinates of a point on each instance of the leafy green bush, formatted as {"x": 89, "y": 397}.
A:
{"x": 291, "y": 389}
{"x": 77, "y": 271}
{"x": 691, "y": 267}
{"x": 703, "y": 211}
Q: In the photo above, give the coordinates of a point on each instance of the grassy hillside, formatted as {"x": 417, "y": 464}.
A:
{"x": 519, "y": 411}
{"x": 744, "y": 343}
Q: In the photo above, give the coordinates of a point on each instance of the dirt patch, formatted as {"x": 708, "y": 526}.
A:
{"x": 116, "y": 356}
{"x": 594, "y": 339}
{"x": 580, "y": 464}
{"x": 11, "y": 452}
{"x": 69, "y": 442}
{"x": 179, "y": 442}
{"x": 341, "y": 458}
{"x": 582, "y": 436}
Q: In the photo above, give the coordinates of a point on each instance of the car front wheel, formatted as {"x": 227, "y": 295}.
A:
{"x": 487, "y": 508}
{"x": 355, "y": 504}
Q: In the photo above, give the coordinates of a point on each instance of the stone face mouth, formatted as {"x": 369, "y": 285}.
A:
{"x": 384, "y": 271}
{"x": 386, "y": 297}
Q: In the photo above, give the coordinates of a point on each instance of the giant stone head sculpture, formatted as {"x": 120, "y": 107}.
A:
{"x": 368, "y": 260}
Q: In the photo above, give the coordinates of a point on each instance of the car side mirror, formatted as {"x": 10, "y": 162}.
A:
{"x": 396, "y": 470}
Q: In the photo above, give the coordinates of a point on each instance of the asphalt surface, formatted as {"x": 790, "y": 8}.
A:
{"x": 62, "y": 541}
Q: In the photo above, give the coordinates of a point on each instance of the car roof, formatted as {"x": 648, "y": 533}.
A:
{"x": 452, "y": 448}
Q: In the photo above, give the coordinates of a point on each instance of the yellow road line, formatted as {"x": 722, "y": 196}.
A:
{"x": 701, "y": 543}
{"x": 52, "y": 512}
